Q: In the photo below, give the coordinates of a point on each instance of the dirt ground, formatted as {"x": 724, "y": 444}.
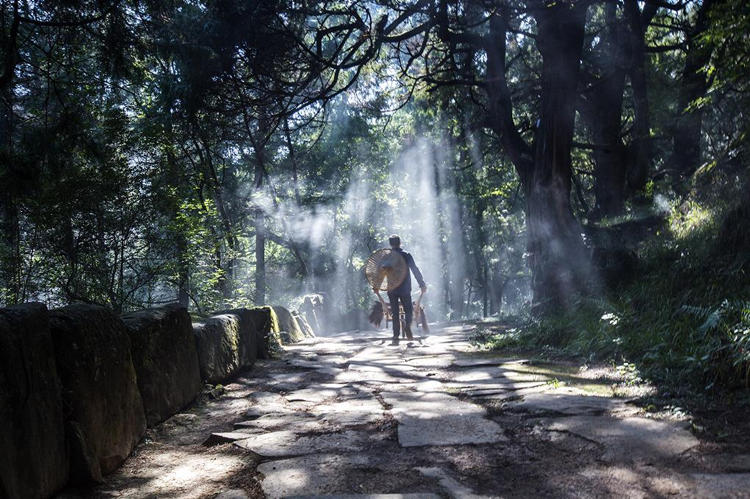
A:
{"x": 351, "y": 415}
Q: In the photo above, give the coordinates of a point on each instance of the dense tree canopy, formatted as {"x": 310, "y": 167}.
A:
{"x": 240, "y": 151}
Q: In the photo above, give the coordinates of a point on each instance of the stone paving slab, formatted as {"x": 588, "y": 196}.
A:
{"x": 296, "y": 421}
{"x": 570, "y": 401}
{"x": 631, "y": 438}
{"x": 501, "y": 389}
{"x": 289, "y": 443}
{"x": 447, "y": 430}
{"x": 233, "y": 494}
{"x": 513, "y": 395}
{"x": 292, "y": 378}
{"x": 434, "y": 361}
{"x": 439, "y": 419}
{"x": 267, "y": 402}
{"x": 353, "y": 412}
{"x": 379, "y": 378}
{"x": 389, "y": 370}
{"x": 318, "y": 362}
{"x": 322, "y": 392}
{"x": 225, "y": 437}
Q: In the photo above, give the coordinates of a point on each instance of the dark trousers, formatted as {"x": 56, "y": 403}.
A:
{"x": 408, "y": 312}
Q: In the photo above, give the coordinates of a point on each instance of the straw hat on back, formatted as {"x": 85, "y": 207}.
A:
{"x": 385, "y": 269}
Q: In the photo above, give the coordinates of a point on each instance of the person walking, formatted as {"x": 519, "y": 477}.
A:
{"x": 403, "y": 292}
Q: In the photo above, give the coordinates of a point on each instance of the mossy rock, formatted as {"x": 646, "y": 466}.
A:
{"x": 267, "y": 331}
{"x": 248, "y": 338}
{"x": 217, "y": 340}
{"x": 165, "y": 359}
{"x": 304, "y": 326}
{"x": 104, "y": 410}
{"x": 289, "y": 328}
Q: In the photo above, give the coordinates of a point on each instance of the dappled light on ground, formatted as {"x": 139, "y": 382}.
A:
{"x": 351, "y": 414}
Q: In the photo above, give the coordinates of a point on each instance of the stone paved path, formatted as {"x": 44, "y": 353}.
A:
{"x": 352, "y": 416}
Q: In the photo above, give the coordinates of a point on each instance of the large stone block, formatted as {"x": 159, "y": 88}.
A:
{"x": 288, "y": 326}
{"x": 33, "y": 456}
{"x": 165, "y": 359}
{"x": 217, "y": 339}
{"x": 103, "y": 406}
{"x": 312, "y": 309}
{"x": 267, "y": 331}
{"x": 304, "y": 325}
{"x": 248, "y": 338}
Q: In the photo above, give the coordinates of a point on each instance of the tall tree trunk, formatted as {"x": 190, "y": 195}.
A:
{"x": 559, "y": 262}
{"x": 260, "y": 226}
{"x": 641, "y": 146}
{"x": 175, "y": 182}
{"x": 602, "y": 110}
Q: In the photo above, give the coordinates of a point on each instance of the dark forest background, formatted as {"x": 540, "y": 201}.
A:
{"x": 580, "y": 166}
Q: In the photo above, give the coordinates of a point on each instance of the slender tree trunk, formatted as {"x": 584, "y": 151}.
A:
{"x": 259, "y": 142}
{"x": 260, "y": 258}
{"x": 260, "y": 229}
{"x": 174, "y": 180}
{"x": 686, "y": 153}
{"x": 226, "y": 283}
{"x": 485, "y": 288}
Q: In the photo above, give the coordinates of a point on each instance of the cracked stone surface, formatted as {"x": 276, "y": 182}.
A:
{"x": 350, "y": 416}
{"x": 440, "y": 419}
{"x": 630, "y": 438}
{"x": 289, "y": 443}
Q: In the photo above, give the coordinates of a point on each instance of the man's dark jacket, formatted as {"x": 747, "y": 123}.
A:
{"x": 404, "y": 289}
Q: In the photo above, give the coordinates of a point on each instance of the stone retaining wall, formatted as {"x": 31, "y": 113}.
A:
{"x": 288, "y": 327}
{"x": 304, "y": 325}
{"x": 217, "y": 340}
{"x": 80, "y": 384}
{"x": 267, "y": 328}
{"x": 165, "y": 360}
{"x": 33, "y": 456}
{"x": 104, "y": 411}
{"x": 249, "y": 337}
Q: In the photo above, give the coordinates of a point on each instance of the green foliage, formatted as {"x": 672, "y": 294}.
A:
{"x": 138, "y": 150}
{"x": 686, "y": 319}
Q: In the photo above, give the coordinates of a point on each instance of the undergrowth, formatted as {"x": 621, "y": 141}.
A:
{"x": 684, "y": 320}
